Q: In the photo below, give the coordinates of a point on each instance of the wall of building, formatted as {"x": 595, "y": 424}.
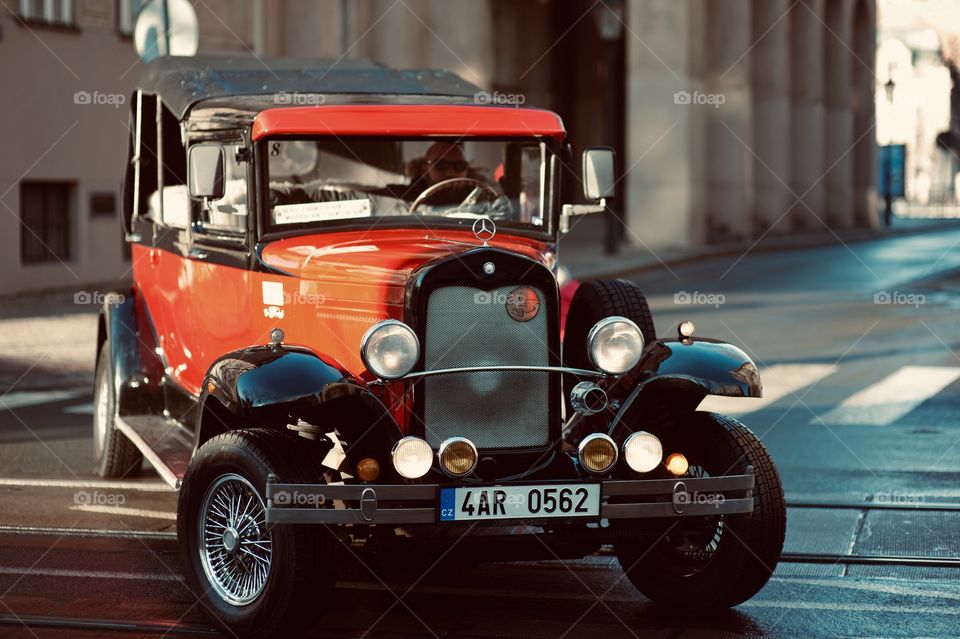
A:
{"x": 740, "y": 117}
{"x": 748, "y": 118}
{"x": 66, "y": 97}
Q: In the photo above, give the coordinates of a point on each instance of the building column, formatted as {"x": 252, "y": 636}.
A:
{"x": 864, "y": 115}
{"x": 664, "y": 151}
{"x": 770, "y": 59}
{"x": 838, "y": 119}
{"x": 729, "y": 128}
{"x": 806, "y": 125}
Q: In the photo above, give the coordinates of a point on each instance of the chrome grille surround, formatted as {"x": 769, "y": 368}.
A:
{"x": 466, "y": 326}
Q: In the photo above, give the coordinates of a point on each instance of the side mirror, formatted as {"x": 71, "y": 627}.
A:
{"x": 205, "y": 171}
{"x": 598, "y": 173}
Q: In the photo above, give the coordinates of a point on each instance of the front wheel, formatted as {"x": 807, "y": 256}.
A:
{"x": 255, "y": 580}
{"x": 719, "y": 561}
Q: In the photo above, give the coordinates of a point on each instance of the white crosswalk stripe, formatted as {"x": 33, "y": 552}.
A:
{"x": 779, "y": 381}
{"x": 892, "y": 397}
{"x": 21, "y": 399}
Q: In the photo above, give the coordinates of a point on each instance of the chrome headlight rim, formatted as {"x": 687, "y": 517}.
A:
{"x": 593, "y": 437}
{"x": 400, "y": 444}
{"x": 445, "y": 445}
{"x": 635, "y": 436}
{"x": 601, "y": 325}
{"x": 365, "y": 342}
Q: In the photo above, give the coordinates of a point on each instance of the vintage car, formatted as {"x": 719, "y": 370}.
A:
{"x": 344, "y": 333}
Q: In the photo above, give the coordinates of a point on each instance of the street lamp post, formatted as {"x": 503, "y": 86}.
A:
{"x": 888, "y": 87}
{"x": 609, "y": 19}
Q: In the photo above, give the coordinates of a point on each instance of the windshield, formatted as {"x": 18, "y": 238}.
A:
{"x": 447, "y": 182}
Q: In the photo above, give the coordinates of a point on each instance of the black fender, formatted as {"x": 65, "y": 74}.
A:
{"x": 138, "y": 369}
{"x": 688, "y": 370}
{"x": 273, "y": 386}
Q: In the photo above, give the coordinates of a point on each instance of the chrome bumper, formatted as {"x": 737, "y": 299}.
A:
{"x": 378, "y": 503}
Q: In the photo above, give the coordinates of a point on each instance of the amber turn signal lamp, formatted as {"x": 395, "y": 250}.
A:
{"x": 677, "y": 464}
{"x": 368, "y": 469}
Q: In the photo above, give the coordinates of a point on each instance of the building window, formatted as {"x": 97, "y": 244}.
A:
{"x": 50, "y": 11}
{"x": 127, "y": 11}
{"x": 44, "y": 222}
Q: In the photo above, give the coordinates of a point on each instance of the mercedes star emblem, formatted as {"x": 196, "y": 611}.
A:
{"x": 484, "y": 229}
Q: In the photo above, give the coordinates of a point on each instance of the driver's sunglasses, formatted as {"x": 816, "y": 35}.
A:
{"x": 444, "y": 165}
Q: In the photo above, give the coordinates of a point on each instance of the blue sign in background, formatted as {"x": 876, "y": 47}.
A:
{"x": 893, "y": 166}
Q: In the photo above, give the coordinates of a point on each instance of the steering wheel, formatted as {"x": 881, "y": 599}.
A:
{"x": 474, "y": 196}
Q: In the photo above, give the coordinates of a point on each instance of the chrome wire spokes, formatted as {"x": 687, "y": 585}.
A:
{"x": 235, "y": 545}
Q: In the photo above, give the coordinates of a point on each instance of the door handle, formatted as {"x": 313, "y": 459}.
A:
{"x": 197, "y": 254}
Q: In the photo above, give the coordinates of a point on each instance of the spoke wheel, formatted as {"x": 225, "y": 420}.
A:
{"x": 235, "y": 546}
{"x": 113, "y": 454}
{"x": 254, "y": 580}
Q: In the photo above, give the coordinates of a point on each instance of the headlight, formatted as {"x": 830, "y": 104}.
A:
{"x": 643, "y": 451}
{"x": 597, "y": 453}
{"x": 390, "y": 349}
{"x": 615, "y": 345}
{"x": 412, "y": 457}
{"x": 458, "y": 456}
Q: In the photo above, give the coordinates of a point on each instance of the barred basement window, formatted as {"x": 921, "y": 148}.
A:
{"x": 45, "y": 221}
{"x": 50, "y": 11}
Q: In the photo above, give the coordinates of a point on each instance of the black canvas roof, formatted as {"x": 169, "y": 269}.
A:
{"x": 181, "y": 82}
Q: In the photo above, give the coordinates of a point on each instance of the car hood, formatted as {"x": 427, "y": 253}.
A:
{"x": 374, "y": 266}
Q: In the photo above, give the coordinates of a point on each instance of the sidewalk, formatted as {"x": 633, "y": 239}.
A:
{"x": 581, "y": 251}
{"x": 47, "y": 340}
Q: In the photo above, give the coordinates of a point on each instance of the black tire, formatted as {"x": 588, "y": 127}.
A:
{"x": 302, "y": 563}
{"x": 714, "y": 562}
{"x": 114, "y": 455}
{"x": 592, "y": 302}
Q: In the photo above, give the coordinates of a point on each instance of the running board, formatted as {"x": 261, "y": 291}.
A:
{"x": 166, "y": 444}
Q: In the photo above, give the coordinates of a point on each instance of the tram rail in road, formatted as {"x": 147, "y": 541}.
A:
{"x": 159, "y": 628}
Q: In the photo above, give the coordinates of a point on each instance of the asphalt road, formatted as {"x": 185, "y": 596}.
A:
{"x": 859, "y": 348}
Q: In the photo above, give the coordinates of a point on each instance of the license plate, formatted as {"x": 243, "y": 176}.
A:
{"x": 519, "y": 502}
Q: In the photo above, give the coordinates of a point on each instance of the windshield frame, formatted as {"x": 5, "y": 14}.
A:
{"x": 267, "y": 231}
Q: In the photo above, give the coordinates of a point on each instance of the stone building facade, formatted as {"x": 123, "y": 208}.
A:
{"x": 732, "y": 118}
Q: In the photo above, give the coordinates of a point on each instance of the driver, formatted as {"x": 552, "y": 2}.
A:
{"x": 445, "y": 161}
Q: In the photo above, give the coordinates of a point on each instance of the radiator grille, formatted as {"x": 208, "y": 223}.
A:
{"x": 469, "y": 327}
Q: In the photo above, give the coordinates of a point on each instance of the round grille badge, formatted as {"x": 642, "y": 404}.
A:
{"x": 523, "y": 304}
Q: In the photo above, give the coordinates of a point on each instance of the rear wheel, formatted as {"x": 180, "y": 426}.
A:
{"x": 255, "y": 580}
{"x": 114, "y": 455}
{"x": 720, "y": 561}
